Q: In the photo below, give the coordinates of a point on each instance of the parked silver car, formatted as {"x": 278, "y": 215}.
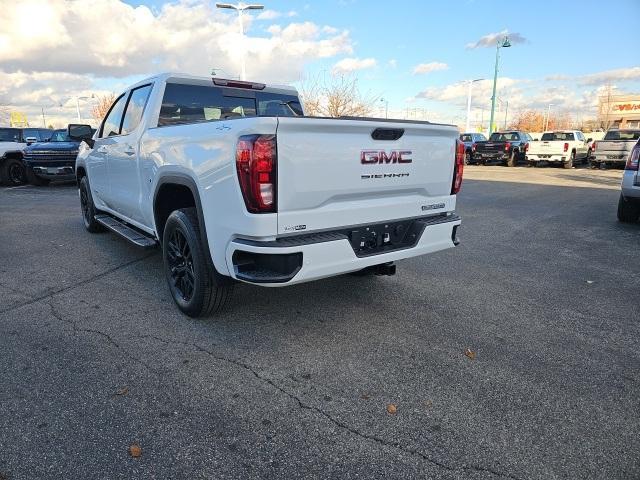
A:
{"x": 629, "y": 203}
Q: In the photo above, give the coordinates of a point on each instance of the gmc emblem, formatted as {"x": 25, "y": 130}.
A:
{"x": 369, "y": 157}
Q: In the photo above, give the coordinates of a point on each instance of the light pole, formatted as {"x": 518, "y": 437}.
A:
{"x": 506, "y": 110}
{"x": 77, "y": 103}
{"x": 386, "y": 107}
{"x": 471, "y": 82}
{"x": 546, "y": 123}
{"x": 504, "y": 43}
{"x": 240, "y": 8}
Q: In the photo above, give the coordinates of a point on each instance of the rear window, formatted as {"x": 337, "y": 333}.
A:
{"x": 622, "y": 135}
{"x": 504, "y": 137}
{"x": 551, "y": 136}
{"x": 466, "y": 138}
{"x": 200, "y": 103}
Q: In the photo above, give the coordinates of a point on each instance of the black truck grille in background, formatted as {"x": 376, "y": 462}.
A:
{"x": 45, "y": 155}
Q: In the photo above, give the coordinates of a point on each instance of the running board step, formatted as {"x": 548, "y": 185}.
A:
{"x": 134, "y": 235}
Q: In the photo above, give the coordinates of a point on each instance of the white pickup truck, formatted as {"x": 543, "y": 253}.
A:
{"x": 564, "y": 146}
{"x": 236, "y": 184}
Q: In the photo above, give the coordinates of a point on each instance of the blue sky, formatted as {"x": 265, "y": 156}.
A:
{"x": 569, "y": 38}
{"x": 564, "y": 52}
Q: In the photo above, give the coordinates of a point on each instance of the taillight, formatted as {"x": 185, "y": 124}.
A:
{"x": 458, "y": 168}
{"x": 566, "y": 147}
{"x": 256, "y": 161}
{"x": 634, "y": 160}
{"x": 593, "y": 147}
{"x": 526, "y": 147}
{"x": 473, "y": 147}
{"x": 507, "y": 146}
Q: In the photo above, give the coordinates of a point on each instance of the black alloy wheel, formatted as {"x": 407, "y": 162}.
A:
{"x": 180, "y": 263}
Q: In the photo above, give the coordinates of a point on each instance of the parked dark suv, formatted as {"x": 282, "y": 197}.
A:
{"x": 54, "y": 159}
{"x": 12, "y": 143}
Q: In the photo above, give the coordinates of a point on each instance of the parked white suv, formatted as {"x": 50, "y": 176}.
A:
{"x": 567, "y": 147}
{"x": 236, "y": 184}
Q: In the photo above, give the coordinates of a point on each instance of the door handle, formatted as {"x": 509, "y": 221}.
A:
{"x": 102, "y": 149}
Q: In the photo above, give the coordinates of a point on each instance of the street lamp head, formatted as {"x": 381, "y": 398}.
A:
{"x": 506, "y": 43}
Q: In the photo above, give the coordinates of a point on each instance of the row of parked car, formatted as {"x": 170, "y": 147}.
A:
{"x": 36, "y": 155}
{"x": 564, "y": 147}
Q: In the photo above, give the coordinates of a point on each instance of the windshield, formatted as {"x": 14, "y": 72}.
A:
{"x": 551, "y": 136}
{"x": 60, "y": 136}
{"x": 622, "y": 135}
{"x": 504, "y": 137}
{"x": 9, "y": 135}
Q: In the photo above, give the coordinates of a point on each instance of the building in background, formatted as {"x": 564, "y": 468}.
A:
{"x": 619, "y": 111}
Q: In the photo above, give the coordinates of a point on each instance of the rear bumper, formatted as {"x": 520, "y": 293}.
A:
{"x": 613, "y": 159}
{"x": 546, "y": 158}
{"x": 631, "y": 185}
{"x": 490, "y": 155}
{"x": 293, "y": 260}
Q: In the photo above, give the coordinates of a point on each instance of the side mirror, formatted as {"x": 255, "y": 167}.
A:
{"x": 30, "y": 140}
{"x": 82, "y": 133}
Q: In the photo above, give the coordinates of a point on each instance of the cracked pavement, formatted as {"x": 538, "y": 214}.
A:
{"x": 294, "y": 382}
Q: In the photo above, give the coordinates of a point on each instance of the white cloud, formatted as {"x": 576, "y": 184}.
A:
{"x": 429, "y": 67}
{"x": 269, "y": 15}
{"x": 115, "y": 39}
{"x": 491, "y": 39}
{"x": 70, "y": 46}
{"x": 348, "y": 65}
{"x": 393, "y": 63}
{"x": 600, "y": 78}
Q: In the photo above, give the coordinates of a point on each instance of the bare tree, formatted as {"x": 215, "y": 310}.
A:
{"x": 101, "y": 108}
{"x": 336, "y": 96}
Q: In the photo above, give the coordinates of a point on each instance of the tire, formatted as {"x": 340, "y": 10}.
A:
{"x": 34, "y": 179}
{"x": 88, "y": 208}
{"x": 586, "y": 159}
{"x": 628, "y": 211}
{"x": 569, "y": 163}
{"x": 195, "y": 286}
{"x": 12, "y": 172}
{"x": 467, "y": 158}
{"x": 532, "y": 164}
{"x": 513, "y": 159}
{"x": 593, "y": 165}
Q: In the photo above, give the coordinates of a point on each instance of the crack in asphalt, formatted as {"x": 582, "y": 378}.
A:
{"x": 332, "y": 419}
{"x": 106, "y": 336}
{"x": 33, "y": 300}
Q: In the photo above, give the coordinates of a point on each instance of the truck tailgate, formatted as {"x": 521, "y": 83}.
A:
{"x": 333, "y": 173}
{"x": 546, "y": 148}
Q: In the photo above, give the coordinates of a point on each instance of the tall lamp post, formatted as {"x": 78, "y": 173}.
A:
{"x": 386, "y": 107}
{"x": 77, "y": 103}
{"x": 471, "y": 82}
{"x": 504, "y": 43}
{"x": 546, "y": 123}
{"x": 240, "y": 8}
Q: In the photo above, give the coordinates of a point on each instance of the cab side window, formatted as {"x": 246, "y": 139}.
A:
{"x": 111, "y": 124}
{"x": 135, "y": 108}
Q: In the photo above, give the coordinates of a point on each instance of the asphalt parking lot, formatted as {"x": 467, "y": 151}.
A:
{"x": 294, "y": 383}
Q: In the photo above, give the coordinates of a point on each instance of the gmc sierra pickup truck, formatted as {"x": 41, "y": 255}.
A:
{"x": 566, "y": 147}
{"x": 235, "y": 184}
{"x": 507, "y": 148}
{"x": 614, "y": 148}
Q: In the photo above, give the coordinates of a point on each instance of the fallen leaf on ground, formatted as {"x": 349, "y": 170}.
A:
{"x": 122, "y": 391}
{"x": 470, "y": 353}
{"x": 589, "y": 282}
{"x": 135, "y": 451}
{"x": 391, "y": 408}
{"x": 365, "y": 396}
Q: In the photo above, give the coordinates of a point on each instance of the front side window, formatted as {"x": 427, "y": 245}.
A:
{"x": 135, "y": 108}
{"x": 111, "y": 124}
